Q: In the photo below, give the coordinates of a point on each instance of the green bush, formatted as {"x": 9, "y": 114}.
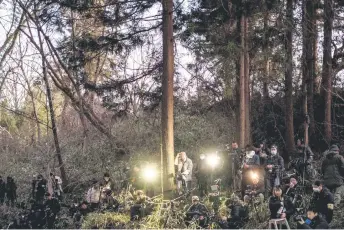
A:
{"x": 105, "y": 220}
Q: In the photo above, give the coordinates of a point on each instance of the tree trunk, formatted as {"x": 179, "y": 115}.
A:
{"x": 327, "y": 67}
{"x": 52, "y": 117}
{"x": 308, "y": 63}
{"x": 289, "y": 110}
{"x": 309, "y": 39}
{"x": 266, "y": 55}
{"x": 167, "y": 98}
{"x": 247, "y": 87}
{"x": 242, "y": 85}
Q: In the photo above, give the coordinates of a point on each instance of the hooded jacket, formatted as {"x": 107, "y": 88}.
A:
{"x": 332, "y": 169}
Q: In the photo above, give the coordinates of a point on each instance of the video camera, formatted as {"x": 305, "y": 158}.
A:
{"x": 249, "y": 190}
{"x": 274, "y": 169}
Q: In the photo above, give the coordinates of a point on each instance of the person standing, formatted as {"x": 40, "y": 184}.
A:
{"x": 56, "y": 182}
{"x": 233, "y": 178}
{"x": 39, "y": 188}
{"x": 274, "y": 168}
{"x": 184, "y": 172}
{"x": 332, "y": 169}
{"x": 11, "y": 191}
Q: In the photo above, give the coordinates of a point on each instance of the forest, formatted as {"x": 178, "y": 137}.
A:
{"x": 94, "y": 86}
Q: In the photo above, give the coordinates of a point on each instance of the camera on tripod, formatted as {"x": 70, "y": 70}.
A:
{"x": 274, "y": 169}
{"x": 250, "y": 191}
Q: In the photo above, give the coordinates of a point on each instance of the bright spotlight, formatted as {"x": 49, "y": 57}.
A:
{"x": 255, "y": 177}
{"x": 213, "y": 160}
{"x": 150, "y": 173}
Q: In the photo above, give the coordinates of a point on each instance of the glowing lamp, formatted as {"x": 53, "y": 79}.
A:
{"x": 255, "y": 177}
{"x": 213, "y": 160}
{"x": 150, "y": 173}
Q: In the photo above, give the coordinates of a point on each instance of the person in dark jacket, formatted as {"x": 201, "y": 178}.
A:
{"x": 317, "y": 221}
{"x": 322, "y": 200}
{"x": 11, "y": 191}
{"x": 197, "y": 211}
{"x": 274, "y": 168}
{"x": 140, "y": 208}
{"x": 2, "y": 190}
{"x": 251, "y": 165}
{"x": 239, "y": 213}
{"x": 279, "y": 206}
{"x": 332, "y": 169}
{"x": 39, "y": 188}
{"x": 294, "y": 192}
{"x": 36, "y": 216}
{"x": 52, "y": 208}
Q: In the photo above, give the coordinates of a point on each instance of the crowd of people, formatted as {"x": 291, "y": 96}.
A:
{"x": 249, "y": 176}
{"x": 260, "y": 174}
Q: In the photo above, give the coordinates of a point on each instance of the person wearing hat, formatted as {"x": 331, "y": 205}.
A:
{"x": 332, "y": 169}
{"x": 239, "y": 213}
{"x": 197, "y": 211}
{"x": 274, "y": 168}
{"x": 52, "y": 208}
{"x": 93, "y": 195}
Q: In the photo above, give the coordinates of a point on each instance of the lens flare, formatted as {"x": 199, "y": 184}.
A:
{"x": 150, "y": 173}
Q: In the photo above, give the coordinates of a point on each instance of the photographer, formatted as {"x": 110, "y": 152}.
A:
{"x": 82, "y": 210}
{"x": 39, "y": 188}
{"x": 332, "y": 169}
{"x": 140, "y": 209}
{"x": 184, "y": 172}
{"x": 316, "y": 221}
{"x": 322, "y": 200}
{"x": 197, "y": 212}
{"x": 274, "y": 168}
{"x": 251, "y": 164}
{"x": 280, "y": 207}
{"x": 238, "y": 214}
